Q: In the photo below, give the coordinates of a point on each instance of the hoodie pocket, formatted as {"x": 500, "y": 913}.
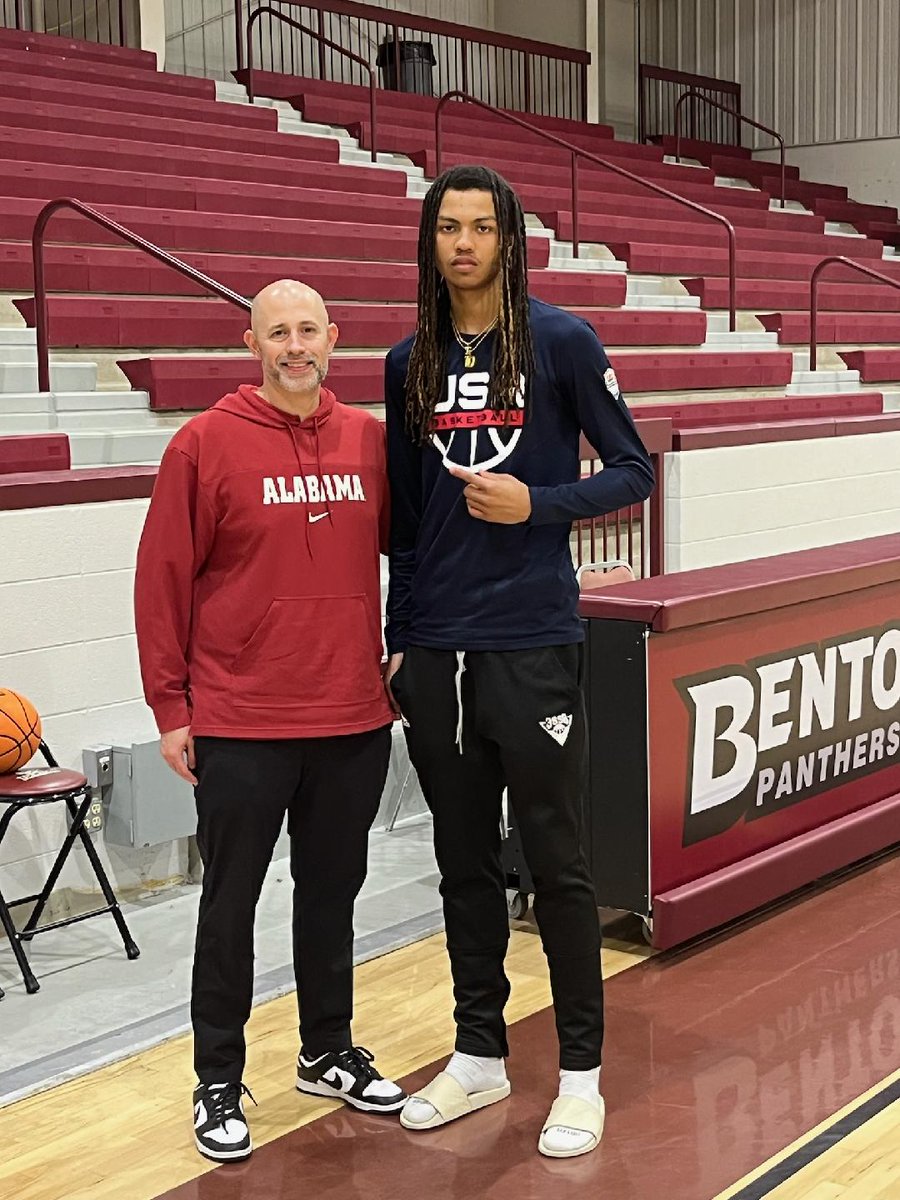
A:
{"x": 313, "y": 652}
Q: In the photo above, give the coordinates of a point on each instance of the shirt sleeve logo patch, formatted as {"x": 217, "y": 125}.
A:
{"x": 612, "y": 384}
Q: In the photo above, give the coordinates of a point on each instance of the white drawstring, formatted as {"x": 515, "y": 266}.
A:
{"x": 460, "y": 667}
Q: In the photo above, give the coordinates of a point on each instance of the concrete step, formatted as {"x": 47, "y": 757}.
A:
{"x": 122, "y": 448}
{"x": 25, "y": 422}
{"x": 100, "y": 402}
{"x": 823, "y": 381}
{"x": 118, "y": 419}
{"x": 64, "y": 377}
{"x": 27, "y": 402}
{"x": 741, "y": 339}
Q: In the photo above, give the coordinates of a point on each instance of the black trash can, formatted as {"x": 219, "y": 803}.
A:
{"x": 417, "y": 63}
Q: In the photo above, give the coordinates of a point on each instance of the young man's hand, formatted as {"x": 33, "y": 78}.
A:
{"x": 393, "y": 667}
{"x": 177, "y": 748}
{"x": 502, "y": 499}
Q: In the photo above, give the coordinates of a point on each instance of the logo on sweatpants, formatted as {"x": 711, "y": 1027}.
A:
{"x": 558, "y": 727}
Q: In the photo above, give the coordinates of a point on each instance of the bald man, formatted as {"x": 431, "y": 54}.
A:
{"x": 258, "y": 605}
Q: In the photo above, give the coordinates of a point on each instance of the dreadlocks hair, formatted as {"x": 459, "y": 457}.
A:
{"x": 513, "y": 349}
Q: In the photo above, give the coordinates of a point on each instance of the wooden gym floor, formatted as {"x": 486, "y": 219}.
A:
{"x": 764, "y": 1062}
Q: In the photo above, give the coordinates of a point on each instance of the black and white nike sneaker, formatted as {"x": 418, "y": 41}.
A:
{"x": 220, "y": 1127}
{"x": 349, "y": 1075}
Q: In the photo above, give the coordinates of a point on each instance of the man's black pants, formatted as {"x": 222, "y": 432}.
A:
{"x": 330, "y": 789}
{"x": 480, "y": 722}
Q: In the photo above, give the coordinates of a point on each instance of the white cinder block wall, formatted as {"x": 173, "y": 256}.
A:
{"x": 67, "y": 642}
{"x": 734, "y": 503}
{"x": 67, "y": 626}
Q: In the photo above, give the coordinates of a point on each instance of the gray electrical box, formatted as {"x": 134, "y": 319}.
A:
{"x": 147, "y": 804}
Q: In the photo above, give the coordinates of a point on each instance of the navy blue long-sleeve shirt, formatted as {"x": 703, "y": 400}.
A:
{"x": 459, "y": 583}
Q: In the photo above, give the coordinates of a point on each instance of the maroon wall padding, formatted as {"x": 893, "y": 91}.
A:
{"x": 721, "y": 593}
{"x": 26, "y": 452}
{"x": 686, "y": 911}
{"x": 45, "y": 489}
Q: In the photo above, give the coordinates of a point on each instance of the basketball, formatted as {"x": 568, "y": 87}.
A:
{"x": 20, "y": 731}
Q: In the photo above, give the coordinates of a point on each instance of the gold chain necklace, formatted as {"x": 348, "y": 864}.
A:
{"x": 470, "y": 345}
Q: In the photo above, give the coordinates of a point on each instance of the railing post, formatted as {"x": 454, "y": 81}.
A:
{"x": 250, "y": 21}
{"x": 657, "y": 517}
{"x": 438, "y": 139}
{"x": 584, "y": 98}
{"x": 783, "y": 190}
{"x": 239, "y": 34}
{"x": 321, "y": 24}
{"x": 373, "y": 116}
{"x": 465, "y": 64}
{"x": 574, "y": 204}
{"x": 814, "y": 315}
{"x": 732, "y": 279}
{"x": 41, "y": 331}
{"x": 397, "y": 60}
{"x": 528, "y": 81}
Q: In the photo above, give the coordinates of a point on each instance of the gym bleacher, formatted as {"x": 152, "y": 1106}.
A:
{"x": 218, "y": 185}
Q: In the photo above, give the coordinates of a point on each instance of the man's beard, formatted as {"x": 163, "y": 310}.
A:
{"x": 306, "y": 384}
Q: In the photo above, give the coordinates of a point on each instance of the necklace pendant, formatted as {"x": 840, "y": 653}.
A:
{"x": 469, "y": 359}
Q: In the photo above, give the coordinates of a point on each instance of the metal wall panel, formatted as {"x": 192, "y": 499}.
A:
{"x": 818, "y": 70}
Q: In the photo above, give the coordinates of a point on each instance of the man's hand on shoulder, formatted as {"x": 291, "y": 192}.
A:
{"x": 177, "y": 748}
{"x": 502, "y": 499}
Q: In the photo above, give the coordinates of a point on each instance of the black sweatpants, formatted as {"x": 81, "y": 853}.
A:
{"x": 330, "y": 789}
{"x": 479, "y": 722}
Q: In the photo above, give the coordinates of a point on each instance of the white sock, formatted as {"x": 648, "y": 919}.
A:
{"x": 475, "y": 1074}
{"x": 583, "y": 1084}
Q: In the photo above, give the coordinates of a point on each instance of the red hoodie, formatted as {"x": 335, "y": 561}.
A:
{"x": 257, "y": 594}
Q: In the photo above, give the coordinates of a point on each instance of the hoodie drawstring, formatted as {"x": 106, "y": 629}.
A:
{"x": 460, "y": 667}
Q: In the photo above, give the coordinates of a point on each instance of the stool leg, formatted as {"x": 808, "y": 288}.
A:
{"x": 31, "y": 984}
{"x": 131, "y": 948}
{"x": 78, "y": 814}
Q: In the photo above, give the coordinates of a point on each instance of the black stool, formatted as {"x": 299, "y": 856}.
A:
{"x": 44, "y": 785}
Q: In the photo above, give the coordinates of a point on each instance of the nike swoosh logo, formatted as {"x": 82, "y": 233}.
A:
{"x": 313, "y": 517}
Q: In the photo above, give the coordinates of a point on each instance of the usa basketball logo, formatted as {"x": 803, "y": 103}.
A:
{"x": 467, "y": 432}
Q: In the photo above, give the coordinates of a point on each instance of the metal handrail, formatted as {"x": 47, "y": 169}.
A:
{"x": 732, "y": 113}
{"x": 423, "y": 24}
{"x": 323, "y": 41}
{"x": 814, "y": 294}
{"x": 576, "y": 153}
{"x": 40, "y": 288}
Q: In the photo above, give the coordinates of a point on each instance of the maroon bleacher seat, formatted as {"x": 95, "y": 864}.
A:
{"x": 20, "y": 452}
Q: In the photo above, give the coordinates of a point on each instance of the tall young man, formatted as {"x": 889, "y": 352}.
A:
{"x": 258, "y": 608}
{"x": 485, "y": 408}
